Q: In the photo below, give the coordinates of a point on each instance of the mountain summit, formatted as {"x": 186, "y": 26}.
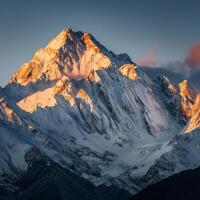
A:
{"x": 96, "y": 114}
{"x": 74, "y": 54}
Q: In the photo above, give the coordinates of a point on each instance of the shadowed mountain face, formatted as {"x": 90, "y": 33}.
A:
{"x": 95, "y": 116}
{"x": 182, "y": 186}
{"x": 45, "y": 179}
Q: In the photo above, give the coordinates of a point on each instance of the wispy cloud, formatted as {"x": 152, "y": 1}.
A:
{"x": 187, "y": 68}
{"x": 151, "y": 59}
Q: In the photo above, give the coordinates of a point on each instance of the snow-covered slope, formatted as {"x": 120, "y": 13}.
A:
{"x": 183, "y": 155}
{"x": 92, "y": 111}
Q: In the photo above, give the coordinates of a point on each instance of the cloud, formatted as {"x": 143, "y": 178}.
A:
{"x": 151, "y": 60}
{"x": 187, "y": 68}
{"x": 189, "y": 64}
{"x": 193, "y": 57}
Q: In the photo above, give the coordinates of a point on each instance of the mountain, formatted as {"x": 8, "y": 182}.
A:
{"x": 97, "y": 115}
{"x": 182, "y": 186}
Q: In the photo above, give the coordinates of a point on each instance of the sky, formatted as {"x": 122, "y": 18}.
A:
{"x": 149, "y": 31}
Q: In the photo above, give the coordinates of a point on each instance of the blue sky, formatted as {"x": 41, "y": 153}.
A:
{"x": 164, "y": 30}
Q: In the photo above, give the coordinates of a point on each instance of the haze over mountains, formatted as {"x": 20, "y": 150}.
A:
{"x": 79, "y": 114}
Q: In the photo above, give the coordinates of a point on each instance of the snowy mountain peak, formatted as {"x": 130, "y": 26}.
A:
{"x": 73, "y": 54}
{"x": 69, "y": 56}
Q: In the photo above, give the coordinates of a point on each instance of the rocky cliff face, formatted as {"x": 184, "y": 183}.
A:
{"x": 194, "y": 122}
{"x": 188, "y": 95}
{"x": 94, "y": 112}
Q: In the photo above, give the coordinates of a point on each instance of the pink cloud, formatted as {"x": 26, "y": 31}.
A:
{"x": 151, "y": 60}
{"x": 193, "y": 56}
